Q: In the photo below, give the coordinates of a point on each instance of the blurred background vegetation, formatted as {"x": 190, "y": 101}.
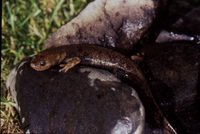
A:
{"x": 26, "y": 24}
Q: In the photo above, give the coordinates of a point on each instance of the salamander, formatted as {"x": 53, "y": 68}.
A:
{"x": 69, "y": 56}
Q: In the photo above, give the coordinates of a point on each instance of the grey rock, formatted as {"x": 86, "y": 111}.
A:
{"x": 110, "y": 23}
{"x": 169, "y": 36}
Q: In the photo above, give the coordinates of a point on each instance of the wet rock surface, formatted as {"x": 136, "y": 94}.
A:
{"x": 83, "y": 100}
{"x": 110, "y": 23}
{"x": 173, "y": 70}
{"x": 180, "y": 22}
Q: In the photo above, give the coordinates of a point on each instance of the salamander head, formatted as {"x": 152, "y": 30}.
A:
{"x": 47, "y": 58}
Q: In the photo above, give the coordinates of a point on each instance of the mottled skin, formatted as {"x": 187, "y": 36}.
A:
{"x": 92, "y": 55}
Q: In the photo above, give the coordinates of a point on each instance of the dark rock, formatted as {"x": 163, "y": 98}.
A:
{"x": 180, "y": 23}
{"x": 169, "y": 36}
{"x": 81, "y": 101}
{"x": 110, "y": 23}
{"x": 189, "y": 23}
{"x": 173, "y": 71}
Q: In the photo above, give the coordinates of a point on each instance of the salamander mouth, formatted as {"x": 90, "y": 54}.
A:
{"x": 37, "y": 67}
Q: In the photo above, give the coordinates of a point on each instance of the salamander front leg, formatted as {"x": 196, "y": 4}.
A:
{"x": 70, "y": 63}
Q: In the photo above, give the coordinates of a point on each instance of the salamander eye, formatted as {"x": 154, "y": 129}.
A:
{"x": 42, "y": 63}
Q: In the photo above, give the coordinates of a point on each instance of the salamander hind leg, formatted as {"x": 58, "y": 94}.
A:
{"x": 137, "y": 58}
{"x": 119, "y": 73}
{"x": 70, "y": 63}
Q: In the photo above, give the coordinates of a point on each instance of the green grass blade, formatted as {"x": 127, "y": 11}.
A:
{"x": 17, "y": 56}
{"x": 3, "y": 63}
{"x": 54, "y": 13}
{"x": 11, "y": 17}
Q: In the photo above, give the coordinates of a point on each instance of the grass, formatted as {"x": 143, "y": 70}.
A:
{"x": 25, "y": 27}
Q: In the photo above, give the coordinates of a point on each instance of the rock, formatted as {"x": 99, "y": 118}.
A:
{"x": 173, "y": 70}
{"x": 180, "y": 23}
{"x": 169, "y": 36}
{"x": 83, "y": 100}
{"x": 109, "y": 23}
{"x": 189, "y": 22}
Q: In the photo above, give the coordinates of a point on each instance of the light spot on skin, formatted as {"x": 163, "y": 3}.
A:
{"x": 99, "y": 61}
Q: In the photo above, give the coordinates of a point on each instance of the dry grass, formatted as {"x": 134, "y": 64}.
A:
{"x": 25, "y": 27}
